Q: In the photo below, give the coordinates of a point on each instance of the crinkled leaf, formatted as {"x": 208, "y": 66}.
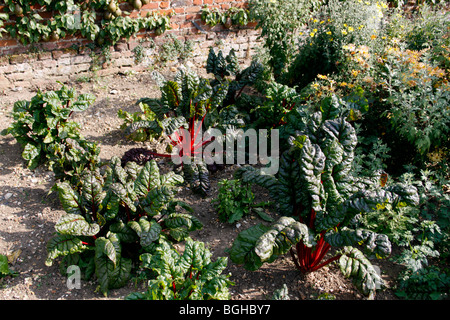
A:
{"x": 31, "y": 151}
{"x": 118, "y": 190}
{"x": 148, "y": 179}
{"x": 63, "y": 245}
{"x": 83, "y": 102}
{"x": 147, "y": 231}
{"x": 243, "y": 248}
{"x": 69, "y": 198}
{"x": 180, "y": 224}
{"x": 112, "y": 270}
{"x": 195, "y": 255}
{"x": 92, "y": 191}
{"x": 379, "y": 244}
{"x": 285, "y": 233}
{"x": 76, "y": 225}
{"x": 108, "y": 247}
{"x": 123, "y": 232}
{"x": 197, "y": 175}
{"x": 312, "y": 164}
{"x": 354, "y": 265}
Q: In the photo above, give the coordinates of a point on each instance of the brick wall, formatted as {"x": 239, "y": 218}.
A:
{"x": 71, "y": 58}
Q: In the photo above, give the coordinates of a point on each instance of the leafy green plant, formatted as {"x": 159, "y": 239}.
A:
{"x": 429, "y": 283}
{"x": 320, "y": 202}
{"x": 4, "y": 267}
{"x": 141, "y": 134}
{"x": 417, "y": 99}
{"x": 113, "y": 218}
{"x": 173, "y": 49}
{"x": 228, "y": 18}
{"x": 187, "y": 276}
{"x": 43, "y": 128}
{"x": 235, "y": 200}
{"x": 224, "y": 67}
{"x": 279, "y": 101}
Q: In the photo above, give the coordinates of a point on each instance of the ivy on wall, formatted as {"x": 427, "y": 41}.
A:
{"x": 100, "y": 21}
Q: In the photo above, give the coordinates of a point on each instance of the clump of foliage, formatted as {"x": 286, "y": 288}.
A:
{"x": 279, "y": 22}
{"x": 321, "y": 203}
{"x": 428, "y": 283}
{"x": 224, "y": 67}
{"x": 3, "y": 17}
{"x": 334, "y": 25}
{"x": 187, "y": 276}
{"x": 235, "y": 200}
{"x": 228, "y": 18}
{"x": 112, "y": 218}
{"x": 418, "y": 98}
{"x": 48, "y": 136}
{"x": 4, "y": 267}
{"x": 140, "y": 134}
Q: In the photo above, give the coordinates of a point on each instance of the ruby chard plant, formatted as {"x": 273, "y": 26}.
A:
{"x": 320, "y": 202}
{"x": 113, "y": 218}
{"x": 181, "y": 111}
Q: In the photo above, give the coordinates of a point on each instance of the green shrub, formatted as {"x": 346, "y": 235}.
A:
{"x": 320, "y": 44}
{"x": 425, "y": 284}
{"x": 235, "y": 200}
{"x": 279, "y": 22}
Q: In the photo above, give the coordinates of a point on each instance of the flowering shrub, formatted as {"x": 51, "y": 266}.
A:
{"x": 338, "y": 23}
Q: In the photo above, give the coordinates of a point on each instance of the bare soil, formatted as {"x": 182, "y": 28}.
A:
{"x": 28, "y": 213}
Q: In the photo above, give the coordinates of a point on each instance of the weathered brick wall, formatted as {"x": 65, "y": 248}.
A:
{"x": 70, "y": 59}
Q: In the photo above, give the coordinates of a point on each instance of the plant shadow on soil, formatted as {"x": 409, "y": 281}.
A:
{"x": 28, "y": 216}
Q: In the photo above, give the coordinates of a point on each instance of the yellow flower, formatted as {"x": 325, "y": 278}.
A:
{"x": 321, "y": 76}
{"x": 350, "y": 29}
{"x": 344, "y": 32}
{"x": 316, "y": 86}
{"x": 374, "y": 36}
{"x": 343, "y": 84}
{"x": 354, "y": 72}
{"x": 349, "y": 47}
{"x": 329, "y": 33}
{"x": 312, "y": 34}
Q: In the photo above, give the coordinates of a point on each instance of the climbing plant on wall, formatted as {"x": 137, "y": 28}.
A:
{"x": 102, "y": 21}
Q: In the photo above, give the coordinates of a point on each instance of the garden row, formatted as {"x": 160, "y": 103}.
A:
{"x": 358, "y": 96}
